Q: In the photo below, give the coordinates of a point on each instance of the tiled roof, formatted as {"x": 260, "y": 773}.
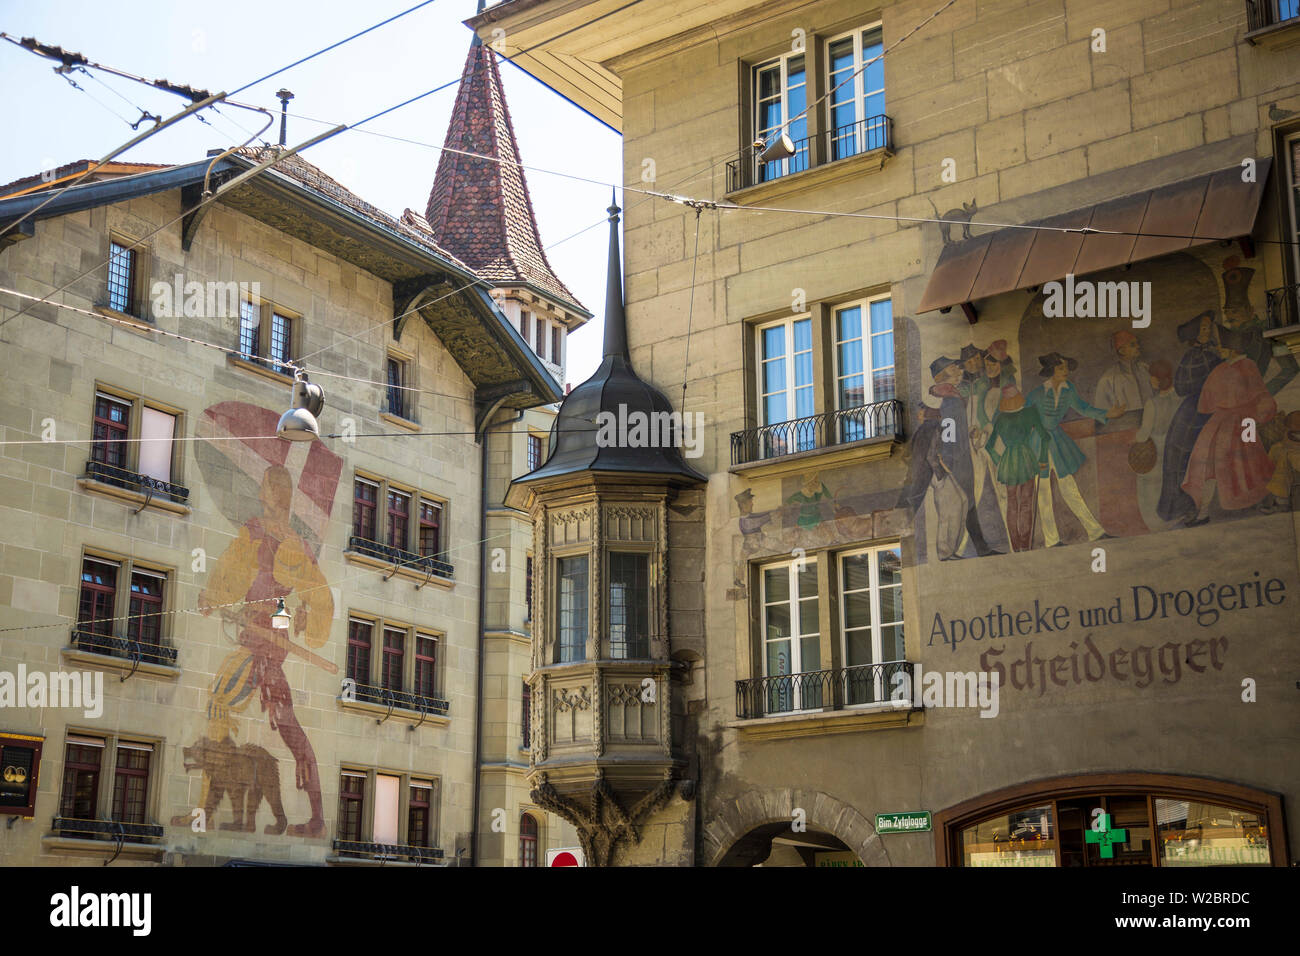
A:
{"x": 53, "y": 177}
{"x": 411, "y": 225}
{"x": 479, "y": 209}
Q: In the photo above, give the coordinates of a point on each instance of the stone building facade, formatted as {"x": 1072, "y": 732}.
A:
{"x": 943, "y": 449}
{"x": 153, "y": 519}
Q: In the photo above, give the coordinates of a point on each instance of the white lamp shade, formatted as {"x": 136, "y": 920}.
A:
{"x": 298, "y": 424}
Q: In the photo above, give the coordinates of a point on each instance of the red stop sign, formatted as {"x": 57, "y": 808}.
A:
{"x": 564, "y": 859}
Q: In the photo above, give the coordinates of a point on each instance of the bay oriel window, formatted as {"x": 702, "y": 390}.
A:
{"x": 629, "y": 606}
{"x": 572, "y": 609}
{"x": 829, "y": 633}
{"x": 383, "y": 672}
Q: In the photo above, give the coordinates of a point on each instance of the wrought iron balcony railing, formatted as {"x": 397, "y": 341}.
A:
{"x": 107, "y": 830}
{"x": 122, "y": 478}
{"x": 832, "y": 689}
{"x": 394, "y": 852}
{"x": 877, "y": 420}
{"x": 401, "y": 699}
{"x": 1267, "y": 13}
{"x": 427, "y": 563}
{"x": 871, "y": 133}
{"x": 1282, "y": 305}
{"x": 125, "y": 647}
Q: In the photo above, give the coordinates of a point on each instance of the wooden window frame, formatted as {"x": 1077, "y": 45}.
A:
{"x": 137, "y": 404}
{"x": 108, "y": 772}
{"x": 378, "y": 654}
{"x": 139, "y": 269}
{"x": 383, "y": 515}
{"x": 127, "y": 568}
{"x": 263, "y": 361}
{"x": 407, "y": 781}
{"x": 529, "y": 843}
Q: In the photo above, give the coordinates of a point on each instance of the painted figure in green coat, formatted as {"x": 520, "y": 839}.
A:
{"x": 1018, "y": 445}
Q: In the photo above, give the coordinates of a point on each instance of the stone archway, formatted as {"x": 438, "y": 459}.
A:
{"x": 762, "y": 808}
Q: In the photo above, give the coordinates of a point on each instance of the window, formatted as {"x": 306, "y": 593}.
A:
{"x": 267, "y": 335}
{"x": 864, "y": 364}
{"x": 118, "y": 622}
{"x": 123, "y": 278}
{"x": 539, "y": 344}
{"x": 528, "y": 588}
{"x": 791, "y": 638}
{"x": 780, "y": 96}
{"x": 112, "y": 418}
{"x": 399, "y": 519}
{"x": 629, "y": 606}
{"x": 430, "y": 529}
{"x": 398, "y": 395}
{"x": 144, "y": 623}
{"x": 394, "y": 651}
{"x": 391, "y": 535}
{"x": 133, "y": 445}
{"x": 81, "y": 765}
{"x": 534, "y": 452}
{"x": 418, "y": 814}
{"x": 856, "y": 98}
{"x": 526, "y": 716}
{"x": 785, "y": 384}
{"x": 98, "y": 596}
{"x": 352, "y": 790}
{"x": 387, "y": 816}
{"x": 527, "y": 840}
{"x": 426, "y": 665}
{"x": 572, "y": 607}
{"x": 385, "y": 673}
{"x": 526, "y": 326}
{"x": 871, "y": 610}
{"x": 556, "y": 338}
{"x": 365, "y": 497}
{"x": 250, "y": 329}
{"x": 131, "y": 782}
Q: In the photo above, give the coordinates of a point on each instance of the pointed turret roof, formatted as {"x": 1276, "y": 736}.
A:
{"x": 480, "y": 210}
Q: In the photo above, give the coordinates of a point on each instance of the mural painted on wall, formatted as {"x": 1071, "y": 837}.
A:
{"x": 1066, "y": 431}
{"x": 1105, "y": 430}
{"x": 280, "y": 495}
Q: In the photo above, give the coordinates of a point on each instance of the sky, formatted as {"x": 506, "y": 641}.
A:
{"x": 224, "y": 46}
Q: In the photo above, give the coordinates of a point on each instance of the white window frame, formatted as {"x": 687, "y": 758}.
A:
{"x": 860, "y": 93}
{"x": 881, "y": 690}
{"x": 774, "y": 446}
{"x": 793, "y": 164}
{"x": 796, "y": 636}
{"x": 850, "y": 430}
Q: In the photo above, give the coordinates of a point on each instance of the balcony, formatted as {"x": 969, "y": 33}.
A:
{"x": 357, "y": 851}
{"x": 1273, "y": 23}
{"x": 828, "y": 690}
{"x": 131, "y": 481}
{"x": 871, "y": 135}
{"x": 129, "y": 649}
{"x": 107, "y": 830}
{"x": 424, "y": 705}
{"x": 425, "y": 565}
{"x": 861, "y": 424}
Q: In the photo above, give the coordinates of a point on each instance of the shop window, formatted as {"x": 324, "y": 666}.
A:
{"x": 20, "y": 761}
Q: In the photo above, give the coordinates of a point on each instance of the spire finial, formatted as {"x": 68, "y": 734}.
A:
{"x": 615, "y": 317}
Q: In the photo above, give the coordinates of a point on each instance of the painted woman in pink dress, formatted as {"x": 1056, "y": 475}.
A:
{"x": 1228, "y": 459}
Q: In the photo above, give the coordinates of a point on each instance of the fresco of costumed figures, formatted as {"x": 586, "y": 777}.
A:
{"x": 1102, "y": 430}
{"x": 278, "y": 495}
{"x": 1065, "y": 430}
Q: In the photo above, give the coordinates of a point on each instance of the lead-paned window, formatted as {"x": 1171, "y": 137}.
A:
{"x": 629, "y": 606}
{"x": 122, "y": 278}
{"x": 571, "y": 577}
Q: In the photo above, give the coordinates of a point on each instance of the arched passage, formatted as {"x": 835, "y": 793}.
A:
{"x": 743, "y": 831}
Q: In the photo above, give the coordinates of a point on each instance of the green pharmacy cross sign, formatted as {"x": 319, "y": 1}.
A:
{"x": 1105, "y": 837}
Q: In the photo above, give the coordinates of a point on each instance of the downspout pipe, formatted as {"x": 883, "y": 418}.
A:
{"x": 482, "y": 630}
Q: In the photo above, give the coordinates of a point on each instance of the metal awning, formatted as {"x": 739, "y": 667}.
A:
{"x": 1192, "y": 212}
